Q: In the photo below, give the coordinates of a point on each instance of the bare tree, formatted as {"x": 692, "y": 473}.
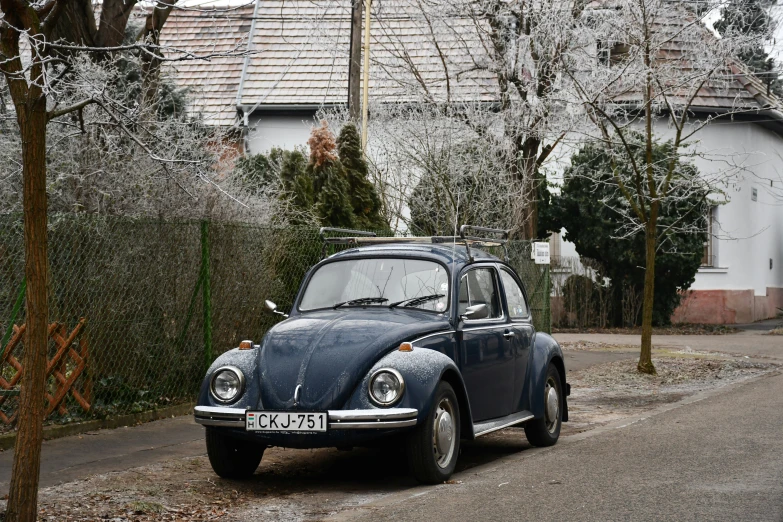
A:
{"x": 73, "y": 82}
{"x": 492, "y": 68}
{"x": 643, "y": 69}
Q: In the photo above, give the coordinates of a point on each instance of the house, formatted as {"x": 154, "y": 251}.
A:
{"x": 297, "y": 64}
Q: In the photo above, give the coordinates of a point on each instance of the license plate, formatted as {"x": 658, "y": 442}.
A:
{"x": 285, "y": 421}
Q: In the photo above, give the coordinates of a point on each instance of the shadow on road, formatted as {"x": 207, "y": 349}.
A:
{"x": 376, "y": 470}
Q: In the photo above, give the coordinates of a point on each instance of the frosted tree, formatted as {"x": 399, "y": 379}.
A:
{"x": 491, "y": 71}
{"x": 65, "y": 79}
{"x": 641, "y": 71}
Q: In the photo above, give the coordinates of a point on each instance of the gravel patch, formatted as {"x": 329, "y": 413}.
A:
{"x": 591, "y": 346}
{"x": 675, "y": 329}
{"x": 610, "y": 391}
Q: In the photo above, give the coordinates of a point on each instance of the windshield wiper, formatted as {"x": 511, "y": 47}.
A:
{"x": 361, "y": 300}
{"x": 413, "y": 301}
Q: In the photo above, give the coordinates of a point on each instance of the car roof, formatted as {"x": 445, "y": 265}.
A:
{"x": 445, "y": 252}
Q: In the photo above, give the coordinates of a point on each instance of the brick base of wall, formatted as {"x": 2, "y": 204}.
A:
{"x": 728, "y": 306}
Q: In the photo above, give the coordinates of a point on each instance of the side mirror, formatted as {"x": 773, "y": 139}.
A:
{"x": 479, "y": 311}
{"x": 272, "y": 307}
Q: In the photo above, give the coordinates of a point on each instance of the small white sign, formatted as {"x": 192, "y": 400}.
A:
{"x": 541, "y": 253}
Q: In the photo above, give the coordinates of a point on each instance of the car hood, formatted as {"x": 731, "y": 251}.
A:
{"x": 328, "y": 352}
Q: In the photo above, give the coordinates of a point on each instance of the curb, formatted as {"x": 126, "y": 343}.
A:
{"x": 7, "y": 440}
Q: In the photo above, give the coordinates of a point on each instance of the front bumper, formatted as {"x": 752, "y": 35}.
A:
{"x": 338, "y": 419}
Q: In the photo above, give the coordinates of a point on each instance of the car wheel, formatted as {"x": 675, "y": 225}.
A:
{"x": 433, "y": 446}
{"x": 546, "y": 430}
{"x": 230, "y": 457}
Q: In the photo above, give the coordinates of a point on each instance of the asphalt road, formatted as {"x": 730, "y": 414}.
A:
{"x": 103, "y": 451}
{"x": 718, "y": 458}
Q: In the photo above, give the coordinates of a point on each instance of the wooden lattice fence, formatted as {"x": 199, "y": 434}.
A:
{"x": 63, "y": 370}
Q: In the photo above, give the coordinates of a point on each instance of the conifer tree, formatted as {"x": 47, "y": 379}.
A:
{"x": 364, "y": 199}
{"x": 330, "y": 183}
{"x": 751, "y": 18}
{"x": 297, "y": 184}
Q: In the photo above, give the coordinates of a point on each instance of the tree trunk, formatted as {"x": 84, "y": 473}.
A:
{"x": 114, "y": 19}
{"x": 526, "y": 215}
{"x": 23, "y": 494}
{"x": 150, "y": 64}
{"x": 77, "y": 24}
{"x": 645, "y": 357}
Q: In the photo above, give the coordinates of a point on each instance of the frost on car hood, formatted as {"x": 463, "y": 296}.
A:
{"x": 329, "y": 352}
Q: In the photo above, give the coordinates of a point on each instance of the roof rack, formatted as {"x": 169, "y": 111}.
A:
{"x": 466, "y": 237}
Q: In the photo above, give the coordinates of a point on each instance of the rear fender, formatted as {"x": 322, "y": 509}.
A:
{"x": 421, "y": 369}
{"x": 546, "y": 351}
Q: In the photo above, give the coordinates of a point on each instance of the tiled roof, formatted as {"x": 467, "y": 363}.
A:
{"x": 212, "y": 84}
{"x": 299, "y": 56}
{"x": 302, "y": 55}
{"x": 679, "y": 37}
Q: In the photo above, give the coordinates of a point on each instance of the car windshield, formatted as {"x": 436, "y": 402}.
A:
{"x": 378, "y": 281}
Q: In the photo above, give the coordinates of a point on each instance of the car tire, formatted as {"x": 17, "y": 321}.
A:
{"x": 433, "y": 446}
{"x": 546, "y": 430}
{"x": 230, "y": 457}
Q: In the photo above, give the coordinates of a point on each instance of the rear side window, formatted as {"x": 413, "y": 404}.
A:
{"x": 517, "y": 306}
{"x": 478, "y": 287}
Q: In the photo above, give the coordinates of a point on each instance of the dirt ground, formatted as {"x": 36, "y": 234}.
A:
{"x": 615, "y": 390}
{"x": 313, "y": 484}
{"x": 674, "y": 329}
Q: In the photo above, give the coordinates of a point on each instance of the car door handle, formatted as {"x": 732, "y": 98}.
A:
{"x": 509, "y": 335}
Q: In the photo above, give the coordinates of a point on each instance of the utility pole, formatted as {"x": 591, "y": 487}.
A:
{"x": 355, "y": 62}
{"x": 365, "y": 109}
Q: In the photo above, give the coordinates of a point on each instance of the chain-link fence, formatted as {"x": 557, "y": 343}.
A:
{"x": 160, "y": 300}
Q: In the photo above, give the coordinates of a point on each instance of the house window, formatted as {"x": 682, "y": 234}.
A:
{"x": 610, "y": 53}
{"x": 709, "y": 258}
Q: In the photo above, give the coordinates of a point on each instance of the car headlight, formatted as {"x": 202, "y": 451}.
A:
{"x": 227, "y": 384}
{"x": 386, "y": 386}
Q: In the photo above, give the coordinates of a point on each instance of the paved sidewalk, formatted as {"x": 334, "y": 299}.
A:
{"x": 102, "y": 451}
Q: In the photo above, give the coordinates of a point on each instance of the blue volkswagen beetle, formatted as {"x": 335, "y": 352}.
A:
{"x": 425, "y": 341}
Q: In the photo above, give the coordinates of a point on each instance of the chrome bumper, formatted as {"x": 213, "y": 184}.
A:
{"x": 338, "y": 419}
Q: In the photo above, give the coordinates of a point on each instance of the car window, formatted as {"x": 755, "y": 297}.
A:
{"x": 517, "y": 307}
{"x": 378, "y": 281}
{"x": 478, "y": 287}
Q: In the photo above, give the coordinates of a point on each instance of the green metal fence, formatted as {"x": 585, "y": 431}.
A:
{"x": 162, "y": 299}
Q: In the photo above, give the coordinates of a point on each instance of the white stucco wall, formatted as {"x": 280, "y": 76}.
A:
{"x": 749, "y": 233}
{"x": 286, "y": 130}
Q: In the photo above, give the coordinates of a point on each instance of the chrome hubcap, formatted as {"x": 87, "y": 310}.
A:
{"x": 444, "y": 433}
{"x": 552, "y": 405}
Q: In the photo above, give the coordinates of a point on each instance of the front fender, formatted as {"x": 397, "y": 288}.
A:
{"x": 545, "y": 351}
{"x": 422, "y": 369}
{"x": 245, "y": 360}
